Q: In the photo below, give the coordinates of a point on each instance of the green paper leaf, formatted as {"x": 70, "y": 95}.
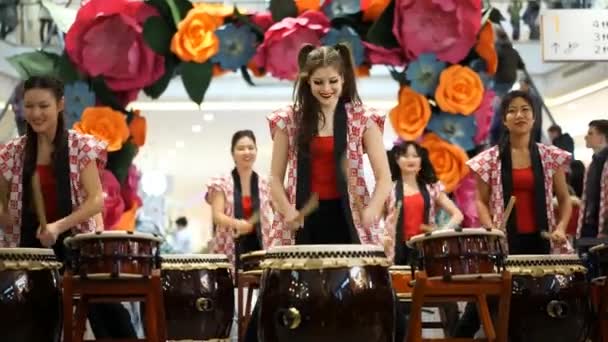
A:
{"x": 196, "y": 78}
{"x": 34, "y": 63}
{"x": 66, "y": 70}
{"x": 282, "y": 9}
{"x": 163, "y": 9}
{"x": 381, "y": 32}
{"x": 246, "y": 76}
{"x": 104, "y": 94}
{"x": 157, "y": 35}
{"x": 120, "y": 161}
{"x": 243, "y": 19}
{"x": 183, "y": 6}
{"x": 158, "y": 88}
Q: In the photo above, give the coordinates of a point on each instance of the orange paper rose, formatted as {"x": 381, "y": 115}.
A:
{"x": 460, "y": 90}
{"x": 448, "y": 160}
{"x": 138, "y": 128}
{"x": 485, "y": 48}
{"x": 105, "y": 124}
{"x": 411, "y": 115}
{"x": 195, "y": 39}
{"x": 375, "y": 9}
{"x": 308, "y": 5}
{"x": 362, "y": 70}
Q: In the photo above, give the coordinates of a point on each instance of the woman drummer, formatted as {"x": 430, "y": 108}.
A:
{"x": 529, "y": 171}
{"x": 68, "y": 165}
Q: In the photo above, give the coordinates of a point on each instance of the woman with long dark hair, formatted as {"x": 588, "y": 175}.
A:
{"x": 68, "y": 164}
{"x": 417, "y": 186}
{"x": 235, "y": 198}
{"x": 530, "y": 171}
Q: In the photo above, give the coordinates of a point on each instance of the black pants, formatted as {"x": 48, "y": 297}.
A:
{"x": 327, "y": 225}
{"x": 110, "y": 320}
{"x": 533, "y": 243}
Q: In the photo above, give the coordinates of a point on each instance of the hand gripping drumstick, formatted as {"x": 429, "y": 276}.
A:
{"x": 38, "y": 200}
{"x": 309, "y": 207}
{"x": 507, "y": 213}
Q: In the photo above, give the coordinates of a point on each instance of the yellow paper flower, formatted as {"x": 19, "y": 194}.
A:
{"x": 195, "y": 39}
{"x": 411, "y": 115}
{"x": 460, "y": 90}
{"x": 449, "y": 161}
{"x": 105, "y": 124}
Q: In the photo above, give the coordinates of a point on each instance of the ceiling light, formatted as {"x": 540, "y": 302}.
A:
{"x": 197, "y": 128}
{"x": 208, "y": 117}
{"x": 154, "y": 183}
{"x": 180, "y": 144}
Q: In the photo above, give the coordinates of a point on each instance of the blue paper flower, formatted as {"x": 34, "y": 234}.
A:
{"x": 341, "y": 8}
{"x": 350, "y": 37}
{"x": 237, "y": 46}
{"x": 78, "y": 96}
{"x": 479, "y": 66}
{"x": 455, "y": 128}
{"x": 424, "y": 72}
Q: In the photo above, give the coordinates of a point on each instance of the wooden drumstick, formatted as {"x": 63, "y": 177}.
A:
{"x": 505, "y": 217}
{"x": 38, "y": 200}
{"x": 309, "y": 207}
{"x": 255, "y": 218}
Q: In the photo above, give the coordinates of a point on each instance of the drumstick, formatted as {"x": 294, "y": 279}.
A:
{"x": 309, "y": 207}
{"x": 507, "y": 213}
{"x": 38, "y": 200}
{"x": 254, "y": 219}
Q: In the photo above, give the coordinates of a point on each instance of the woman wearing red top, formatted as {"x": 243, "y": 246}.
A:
{"x": 68, "y": 164}
{"x": 418, "y": 187}
{"x": 235, "y": 198}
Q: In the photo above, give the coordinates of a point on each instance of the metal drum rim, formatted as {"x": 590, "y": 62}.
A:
{"x": 448, "y": 233}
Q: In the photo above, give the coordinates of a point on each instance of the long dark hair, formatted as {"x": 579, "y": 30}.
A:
{"x": 246, "y": 133}
{"x": 59, "y": 157}
{"x": 306, "y": 106}
{"x": 427, "y": 172}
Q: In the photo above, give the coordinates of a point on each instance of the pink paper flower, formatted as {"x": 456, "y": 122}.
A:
{"x": 106, "y": 40}
{"x": 262, "y": 19}
{"x": 447, "y": 28}
{"x": 113, "y": 203}
{"x": 129, "y": 189}
{"x": 278, "y": 54}
{"x": 378, "y": 55}
{"x": 464, "y": 196}
{"x": 483, "y": 116}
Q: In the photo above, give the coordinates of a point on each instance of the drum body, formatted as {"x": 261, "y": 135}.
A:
{"x": 326, "y": 293}
{"x": 462, "y": 253}
{"x": 198, "y": 296}
{"x": 600, "y": 257}
{"x": 251, "y": 261}
{"x": 114, "y": 254}
{"x": 30, "y": 295}
{"x": 550, "y": 299}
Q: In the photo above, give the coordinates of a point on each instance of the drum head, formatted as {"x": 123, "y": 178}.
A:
{"x": 310, "y": 257}
{"x": 28, "y": 259}
{"x": 448, "y": 233}
{"x": 254, "y": 254}
{"x": 33, "y": 252}
{"x": 111, "y": 235}
{"x": 540, "y": 265}
{"x": 324, "y": 249}
{"x": 194, "y": 261}
{"x": 599, "y": 248}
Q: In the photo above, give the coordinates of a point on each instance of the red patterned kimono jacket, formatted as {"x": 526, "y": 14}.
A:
{"x": 82, "y": 150}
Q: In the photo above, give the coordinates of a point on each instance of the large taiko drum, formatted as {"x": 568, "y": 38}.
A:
{"x": 550, "y": 299}
{"x": 30, "y": 295}
{"x": 198, "y": 296}
{"x": 460, "y": 253}
{"x": 600, "y": 256}
{"x": 114, "y": 254}
{"x": 251, "y": 262}
{"x": 326, "y": 293}
{"x": 401, "y": 277}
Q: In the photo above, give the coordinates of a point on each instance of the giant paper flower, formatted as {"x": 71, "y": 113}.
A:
{"x": 105, "y": 124}
{"x": 263, "y": 20}
{"x": 460, "y": 90}
{"x": 423, "y": 73}
{"x": 195, "y": 39}
{"x": 449, "y": 161}
{"x": 237, "y": 46}
{"x": 129, "y": 189}
{"x": 410, "y": 116}
{"x": 113, "y": 203}
{"x": 464, "y": 196}
{"x": 308, "y": 5}
{"x": 78, "y": 97}
{"x": 283, "y": 40}
{"x": 375, "y": 54}
{"x": 348, "y": 36}
{"x": 479, "y": 66}
{"x": 483, "y": 116}
{"x": 106, "y": 40}
{"x": 446, "y": 27}
{"x": 457, "y": 129}
{"x": 485, "y": 48}
{"x": 138, "y": 128}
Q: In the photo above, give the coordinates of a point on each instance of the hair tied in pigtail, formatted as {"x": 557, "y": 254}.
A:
{"x": 305, "y": 50}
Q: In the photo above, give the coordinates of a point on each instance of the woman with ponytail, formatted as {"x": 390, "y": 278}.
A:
{"x": 530, "y": 171}
{"x": 417, "y": 186}
{"x": 68, "y": 165}
{"x": 319, "y": 142}
{"x": 235, "y": 199}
